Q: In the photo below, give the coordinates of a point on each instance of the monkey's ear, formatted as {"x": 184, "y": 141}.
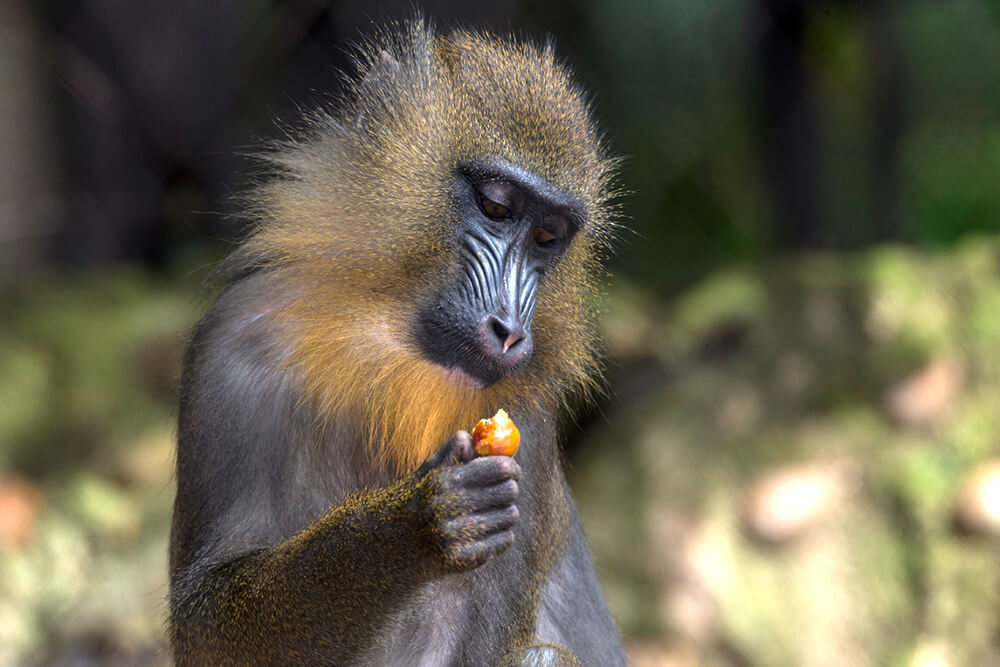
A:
{"x": 385, "y": 67}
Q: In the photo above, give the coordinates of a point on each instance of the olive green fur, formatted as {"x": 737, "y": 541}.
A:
{"x": 257, "y": 603}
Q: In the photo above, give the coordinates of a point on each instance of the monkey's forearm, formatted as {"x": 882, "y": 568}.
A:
{"x": 346, "y": 573}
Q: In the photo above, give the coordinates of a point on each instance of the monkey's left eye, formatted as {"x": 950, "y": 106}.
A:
{"x": 556, "y": 229}
{"x": 493, "y": 209}
{"x": 543, "y": 236}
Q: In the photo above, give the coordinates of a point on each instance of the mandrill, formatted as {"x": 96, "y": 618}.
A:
{"x": 421, "y": 257}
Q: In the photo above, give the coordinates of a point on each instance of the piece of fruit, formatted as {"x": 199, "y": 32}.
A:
{"x": 496, "y": 436}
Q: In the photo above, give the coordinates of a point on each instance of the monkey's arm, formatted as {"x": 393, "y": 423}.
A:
{"x": 323, "y": 595}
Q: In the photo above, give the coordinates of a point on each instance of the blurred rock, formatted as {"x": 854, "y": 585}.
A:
{"x": 19, "y": 500}
{"x": 977, "y": 510}
{"x": 923, "y": 398}
{"x": 785, "y": 504}
{"x": 691, "y": 610}
{"x": 697, "y": 580}
{"x": 931, "y": 654}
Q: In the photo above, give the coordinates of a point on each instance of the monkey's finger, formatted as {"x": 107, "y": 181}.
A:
{"x": 463, "y": 448}
{"x": 457, "y": 449}
{"x": 475, "y": 554}
{"x": 488, "y": 470}
{"x": 478, "y": 526}
{"x": 497, "y": 495}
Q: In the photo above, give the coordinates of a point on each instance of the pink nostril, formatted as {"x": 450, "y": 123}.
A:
{"x": 511, "y": 340}
{"x": 506, "y": 336}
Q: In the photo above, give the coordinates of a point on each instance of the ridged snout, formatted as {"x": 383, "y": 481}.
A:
{"x": 504, "y": 283}
{"x": 505, "y": 340}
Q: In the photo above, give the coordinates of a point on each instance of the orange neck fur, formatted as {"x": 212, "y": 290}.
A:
{"x": 357, "y": 366}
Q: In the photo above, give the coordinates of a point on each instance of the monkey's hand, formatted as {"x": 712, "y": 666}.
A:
{"x": 469, "y": 503}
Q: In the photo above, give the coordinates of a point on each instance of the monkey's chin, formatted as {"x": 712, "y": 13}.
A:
{"x": 463, "y": 379}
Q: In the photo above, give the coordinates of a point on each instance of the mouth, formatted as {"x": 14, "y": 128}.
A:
{"x": 458, "y": 348}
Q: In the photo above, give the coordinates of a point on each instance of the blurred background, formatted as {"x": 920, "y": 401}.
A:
{"x": 797, "y": 461}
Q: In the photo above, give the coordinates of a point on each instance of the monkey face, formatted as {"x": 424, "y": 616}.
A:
{"x": 512, "y": 227}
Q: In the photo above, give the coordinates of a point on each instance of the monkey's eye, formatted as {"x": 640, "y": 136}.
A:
{"x": 493, "y": 209}
{"x": 556, "y": 228}
{"x": 543, "y": 236}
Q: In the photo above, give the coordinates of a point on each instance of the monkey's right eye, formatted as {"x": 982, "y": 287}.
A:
{"x": 493, "y": 209}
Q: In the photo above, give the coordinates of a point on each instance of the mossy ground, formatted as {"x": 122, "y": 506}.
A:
{"x": 801, "y": 364}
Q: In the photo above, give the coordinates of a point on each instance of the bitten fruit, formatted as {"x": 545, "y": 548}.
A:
{"x": 496, "y": 436}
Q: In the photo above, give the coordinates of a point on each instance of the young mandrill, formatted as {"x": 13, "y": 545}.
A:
{"x": 423, "y": 257}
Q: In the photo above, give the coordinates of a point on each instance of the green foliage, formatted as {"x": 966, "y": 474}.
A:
{"x": 91, "y": 359}
{"x": 679, "y": 88}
